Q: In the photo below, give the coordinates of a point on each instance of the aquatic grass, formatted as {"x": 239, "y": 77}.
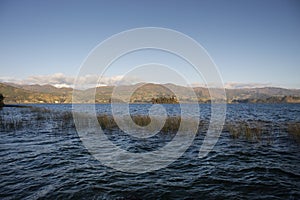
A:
{"x": 66, "y": 116}
{"x": 10, "y": 123}
{"x": 141, "y": 120}
{"x": 293, "y": 130}
{"x": 250, "y": 131}
{"x": 40, "y": 116}
{"x": 32, "y": 117}
{"x": 233, "y": 130}
{"x": 106, "y": 122}
{"x": 171, "y": 124}
{"x": 33, "y": 109}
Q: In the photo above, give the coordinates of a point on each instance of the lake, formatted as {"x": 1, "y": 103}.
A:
{"x": 42, "y": 157}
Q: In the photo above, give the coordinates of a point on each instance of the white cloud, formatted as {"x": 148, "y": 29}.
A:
{"x": 61, "y": 80}
{"x": 53, "y": 79}
{"x": 88, "y": 81}
{"x": 235, "y": 85}
{"x": 8, "y": 79}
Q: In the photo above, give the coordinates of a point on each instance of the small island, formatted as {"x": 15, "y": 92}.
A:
{"x": 165, "y": 100}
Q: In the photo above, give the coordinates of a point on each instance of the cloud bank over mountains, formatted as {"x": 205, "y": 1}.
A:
{"x": 235, "y": 85}
{"x": 60, "y": 80}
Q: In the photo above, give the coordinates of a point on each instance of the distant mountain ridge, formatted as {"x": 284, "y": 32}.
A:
{"x": 14, "y": 93}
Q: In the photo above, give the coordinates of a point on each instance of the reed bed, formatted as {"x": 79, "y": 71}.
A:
{"x": 10, "y": 123}
{"x": 253, "y": 131}
{"x": 294, "y": 130}
{"x": 171, "y": 124}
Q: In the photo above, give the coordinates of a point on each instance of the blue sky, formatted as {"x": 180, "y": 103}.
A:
{"x": 250, "y": 41}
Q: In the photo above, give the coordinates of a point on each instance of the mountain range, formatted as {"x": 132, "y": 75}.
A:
{"x": 145, "y": 93}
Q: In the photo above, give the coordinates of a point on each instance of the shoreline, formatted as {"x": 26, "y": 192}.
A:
{"x": 24, "y": 104}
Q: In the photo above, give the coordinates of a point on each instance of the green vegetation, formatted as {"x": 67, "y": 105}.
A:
{"x": 168, "y": 100}
{"x": 18, "y": 95}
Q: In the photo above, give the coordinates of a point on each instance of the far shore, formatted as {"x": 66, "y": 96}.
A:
{"x": 137, "y": 103}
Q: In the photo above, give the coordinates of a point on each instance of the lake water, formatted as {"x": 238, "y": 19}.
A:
{"x": 45, "y": 159}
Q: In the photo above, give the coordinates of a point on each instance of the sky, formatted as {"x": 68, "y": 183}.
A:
{"x": 253, "y": 43}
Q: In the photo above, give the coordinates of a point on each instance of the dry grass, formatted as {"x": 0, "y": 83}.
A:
{"x": 172, "y": 123}
{"x": 107, "y": 122}
{"x": 254, "y": 131}
{"x": 251, "y": 131}
{"x": 294, "y": 130}
{"x": 10, "y": 123}
{"x": 33, "y": 117}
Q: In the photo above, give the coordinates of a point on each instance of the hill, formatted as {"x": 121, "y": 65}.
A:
{"x": 19, "y": 94}
{"x": 145, "y": 94}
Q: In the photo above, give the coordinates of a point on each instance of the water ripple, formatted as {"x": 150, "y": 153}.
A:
{"x": 52, "y": 163}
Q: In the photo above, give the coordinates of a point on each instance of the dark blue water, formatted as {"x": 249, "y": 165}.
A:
{"x": 264, "y": 112}
{"x": 43, "y": 158}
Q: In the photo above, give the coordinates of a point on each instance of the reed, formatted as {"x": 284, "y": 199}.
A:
{"x": 107, "y": 122}
{"x": 293, "y": 129}
{"x": 254, "y": 131}
{"x": 10, "y": 123}
{"x": 250, "y": 131}
{"x": 171, "y": 124}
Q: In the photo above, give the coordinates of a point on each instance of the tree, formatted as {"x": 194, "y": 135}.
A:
{"x": 1, "y": 100}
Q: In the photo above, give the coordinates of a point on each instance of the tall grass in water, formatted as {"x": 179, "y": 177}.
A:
{"x": 294, "y": 130}
{"x": 10, "y": 123}
{"x": 32, "y": 117}
{"x": 254, "y": 131}
{"x": 245, "y": 130}
{"x": 171, "y": 124}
